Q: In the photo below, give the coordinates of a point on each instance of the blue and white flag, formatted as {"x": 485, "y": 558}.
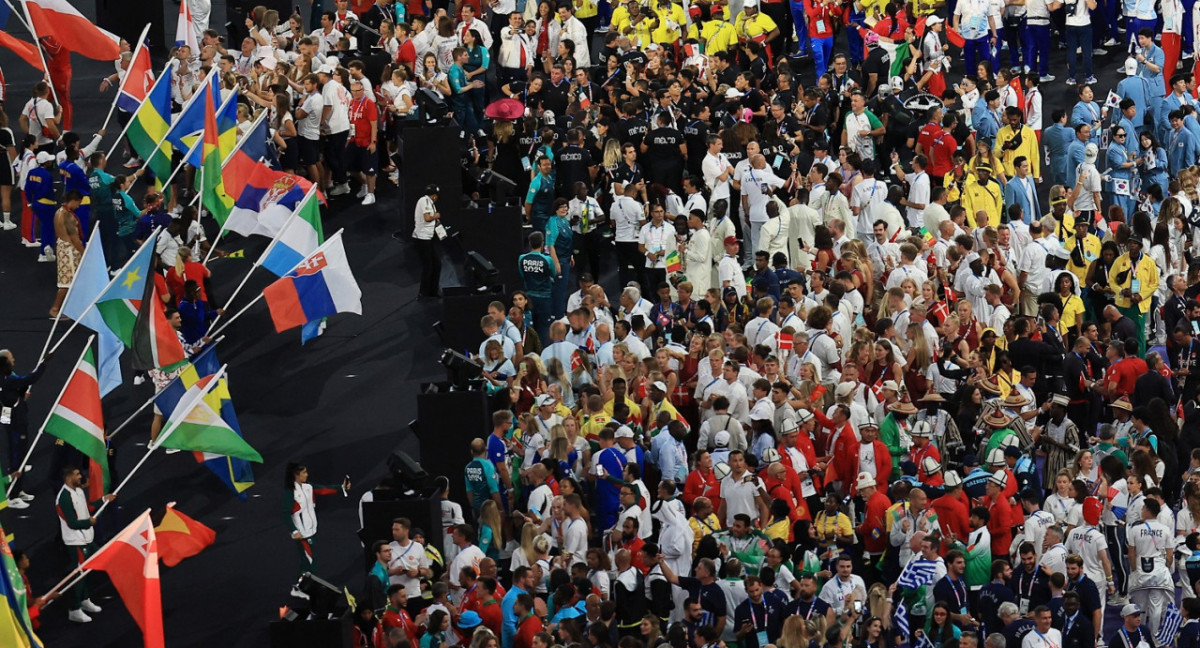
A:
{"x": 902, "y": 619}
{"x": 1169, "y": 626}
{"x": 917, "y": 573}
{"x": 924, "y": 642}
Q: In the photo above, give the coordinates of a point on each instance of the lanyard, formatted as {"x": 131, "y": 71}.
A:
{"x": 1032, "y": 582}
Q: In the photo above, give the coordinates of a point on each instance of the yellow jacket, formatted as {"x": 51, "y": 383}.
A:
{"x": 1091, "y": 250}
{"x": 665, "y": 34}
{"x": 1146, "y": 274}
{"x": 989, "y": 198}
{"x": 586, "y": 9}
{"x": 639, "y": 36}
{"x": 716, "y": 36}
{"x": 1029, "y": 149}
{"x": 760, "y": 25}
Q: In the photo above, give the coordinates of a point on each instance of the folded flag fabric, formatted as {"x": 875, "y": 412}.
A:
{"x": 322, "y": 285}
{"x": 131, "y": 309}
{"x": 196, "y": 426}
{"x": 266, "y": 202}
{"x": 902, "y": 619}
{"x": 179, "y": 537}
{"x": 300, "y": 237}
{"x": 249, "y": 151}
{"x": 674, "y": 261}
{"x": 131, "y": 561}
{"x": 24, "y": 49}
{"x": 57, "y": 18}
{"x": 139, "y": 78}
{"x": 188, "y": 126}
{"x": 210, "y": 180}
{"x": 1169, "y": 626}
{"x": 185, "y": 29}
{"x": 917, "y": 573}
{"x": 78, "y": 419}
{"x": 16, "y": 624}
{"x": 149, "y": 127}
{"x": 91, "y": 278}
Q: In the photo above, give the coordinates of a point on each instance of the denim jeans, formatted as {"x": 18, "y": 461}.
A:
{"x": 1079, "y": 37}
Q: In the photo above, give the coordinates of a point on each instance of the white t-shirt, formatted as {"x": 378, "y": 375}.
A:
{"x": 539, "y": 501}
{"x": 918, "y": 192}
{"x": 714, "y": 166}
{"x": 739, "y": 497}
{"x": 1088, "y": 542}
{"x": 309, "y": 126}
{"x": 423, "y": 230}
{"x": 410, "y": 557}
{"x": 1035, "y": 639}
{"x": 38, "y": 112}
{"x": 335, "y": 96}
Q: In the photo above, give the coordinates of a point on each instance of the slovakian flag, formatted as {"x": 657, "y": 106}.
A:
{"x": 322, "y": 285}
{"x": 57, "y": 18}
{"x": 266, "y": 202}
{"x": 16, "y": 617}
{"x": 138, "y": 79}
{"x": 131, "y": 308}
{"x": 179, "y": 536}
{"x": 24, "y": 49}
{"x": 131, "y": 561}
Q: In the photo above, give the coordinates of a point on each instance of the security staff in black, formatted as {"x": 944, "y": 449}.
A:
{"x": 14, "y": 410}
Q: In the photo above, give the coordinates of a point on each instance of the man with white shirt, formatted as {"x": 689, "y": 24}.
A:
{"x": 575, "y": 530}
{"x": 1151, "y": 553}
{"x": 335, "y": 126}
{"x": 718, "y": 172}
{"x": 729, "y": 269}
{"x": 742, "y": 493}
{"x": 631, "y": 341}
{"x": 573, "y": 30}
{"x": 758, "y": 183}
{"x": 1037, "y": 521}
{"x": 1032, "y": 270}
{"x": 655, "y": 241}
{"x": 697, "y": 253}
{"x": 846, "y": 587}
{"x": 409, "y": 562}
{"x": 1043, "y": 635}
{"x": 918, "y": 193}
{"x": 865, "y": 200}
{"x": 883, "y": 254}
{"x": 935, "y": 212}
{"x": 491, "y": 328}
{"x": 632, "y": 303}
{"x": 627, "y": 215}
{"x": 732, "y": 389}
{"x": 540, "y": 496}
{"x": 907, "y": 268}
{"x": 468, "y": 23}
{"x": 517, "y": 51}
{"x": 327, "y": 37}
{"x": 996, "y": 313}
{"x": 761, "y": 330}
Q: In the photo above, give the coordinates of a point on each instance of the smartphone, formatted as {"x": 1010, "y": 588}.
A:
{"x": 524, "y": 366}
{"x": 858, "y": 607}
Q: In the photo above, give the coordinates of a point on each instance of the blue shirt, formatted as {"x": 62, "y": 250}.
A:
{"x": 1181, "y": 150}
{"x": 1088, "y": 112}
{"x": 608, "y": 494}
{"x": 985, "y": 124}
{"x": 508, "y": 631}
{"x": 1074, "y": 159}
{"x": 537, "y": 271}
{"x": 1137, "y": 89}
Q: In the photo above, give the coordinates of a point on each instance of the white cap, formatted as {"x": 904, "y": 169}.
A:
{"x": 930, "y": 465}
{"x": 732, "y": 93}
{"x": 755, "y": 415}
{"x": 995, "y": 456}
{"x": 890, "y": 384}
{"x": 999, "y": 478}
{"x": 789, "y": 427}
{"x": 721, "y": 470}
{"x": 933, "y": 20}
{"x": 845, "y": 389}
{"x": 44, "y": 157}
{"x": 1131, "y": 609}
{"x": 803, "y": 416}
{"x": 1130, "y": 65}
{"x": 770, "y": 455}
{"x": 865, "y": 480}
{"x": 623, "y": 432}
{"x": 922, "y": 429}
{"x": 897, "y": 83}
{"x": 544, "y": 399}
{"x": 1090, "y": 152}
{"x": 660, "y": 386}
{"x": 721, "y": 439}
{"x": 952, "y": 479}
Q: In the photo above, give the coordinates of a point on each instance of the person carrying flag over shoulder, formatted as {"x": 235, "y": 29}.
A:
{"x": 302, "y": 513}
{"x": 77, "y": 523}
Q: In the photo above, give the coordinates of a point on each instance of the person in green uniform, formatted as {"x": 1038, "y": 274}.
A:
{"x": 538, "y": 273}
{"x": 103, "y": 215}
{"x": 560, "y": 240}
{"x": 890, "y": 433}
{"x": 539, "y": 200}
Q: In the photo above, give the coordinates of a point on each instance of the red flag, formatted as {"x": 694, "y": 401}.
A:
{"x": 26, "y": 50}
{"x": 59, "y": 19}
{"x": 784, "y": 341}
{"x": 956, "y": 39}
{"x": 138, "y": 79}
{"x": 131, "y": 560}
{"x": 179, "y": 537}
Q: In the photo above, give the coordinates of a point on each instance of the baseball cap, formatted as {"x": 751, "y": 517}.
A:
{"x": 731, "y": 240}
{"x": 1131, "y": 609}
{"x": 732, "y": 93}
{"x": 44, "y": 157}
{"x": 660, "y": 386}
{"x": 543, "y": 400}
{"x": 865, "y": 480}
{"x": 623, "y": 432}
{"x": 1130, "y": 63}
{"x": 721, "y": 439}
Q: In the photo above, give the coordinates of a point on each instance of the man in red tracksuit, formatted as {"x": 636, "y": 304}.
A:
{"x": 952, "y": 513}
{"x": 876, "y": 504}
{"x": 847, "y": 452}
{"x": 1000, "y": 525}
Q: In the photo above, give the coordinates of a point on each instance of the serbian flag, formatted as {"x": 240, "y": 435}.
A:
{"x": 179, "y": 536}
{"x": 266, "y": 201}
{"x": 138, "y": 79}
{"x": 24, "y": 49}
{"x": 185, "y": 30}
{"x": 322, "y": 285}
{"x": 57, "y": 18}
{"x": 131, "y": 560}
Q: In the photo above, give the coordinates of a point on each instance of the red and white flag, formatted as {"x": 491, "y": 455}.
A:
{"x": 185, "y": 30}
{"x": 131, "y": 560}
{"x": 59, "y": 19}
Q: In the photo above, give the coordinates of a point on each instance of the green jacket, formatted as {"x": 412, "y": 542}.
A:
{"x": 889, "y": 433}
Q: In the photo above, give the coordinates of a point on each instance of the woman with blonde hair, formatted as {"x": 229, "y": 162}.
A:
{"x": 919, "y": 357}
{"x": 491, "y": 538}
{"x": 524, "y": 555}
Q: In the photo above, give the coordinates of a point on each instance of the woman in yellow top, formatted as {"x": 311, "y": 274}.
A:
{"x": 1070, "y": 305}
{"x": 1084, "y": 248}
{"x": 716, "y": 34}
{"x": 670, "y": 23}
{"x": 1134, "y": 278}
{"x": 753, "y": 24}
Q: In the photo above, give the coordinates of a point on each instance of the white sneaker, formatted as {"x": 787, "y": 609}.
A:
{"x": 79, "y": 617}
{"x": 394, "y": 176}
{"x": 1100, "y": 51}
{"x": 89, "y": 607}
{"x": 133, "y": 163}
{"x": 42, "y": 258}
{"x": 362, "y": 191}
{"x": 139, "y": 379}
{"x": 8, "y": 225}
{"x": 298, "y": 594}
{"x": 172, "y": 450}
{"x": 30, "y": 244}
{"x": 369, "y": 199}
{"x": 23, "y": 495}
{"x": 1112, "y": 42}
{"x": 17, "y": 503}
{"x": 340, "y": 189}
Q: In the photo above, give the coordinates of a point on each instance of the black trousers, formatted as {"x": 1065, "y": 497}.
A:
{"x": 587, "y": 252}
{"x": 431, "y": 265}
{"x": 629, "y": 263}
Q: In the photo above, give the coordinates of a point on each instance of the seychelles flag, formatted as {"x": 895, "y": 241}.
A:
{"x": 322, "y": 285}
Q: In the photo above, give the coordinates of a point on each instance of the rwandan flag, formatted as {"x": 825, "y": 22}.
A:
{"x": 149, "y": 127}
{"x": 210, "y": 181}
{"x": 235, "y": 472}
{"x": 16, "y": 626}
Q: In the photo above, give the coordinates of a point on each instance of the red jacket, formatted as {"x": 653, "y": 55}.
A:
{"x": 783, "y": 490}
{"x": 529, "y": 626}
{"x": 821, "y": 15}
{"x": 918, "y": 457}
{"x": 875, "y": 540}
{"x": 702, "y": 485}
{"x": 401, "y": 619}
{"x": 939, "y": 147}
{"x": 794, "y": 482}
{"x": 1000, "y": 525}
{"x": 952, "y": 515}
{"x": 492, "y": 618}
{"x": 844, "y": 466}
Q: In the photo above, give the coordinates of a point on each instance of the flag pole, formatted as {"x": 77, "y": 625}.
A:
{"x": 158, "y": 393}
{"x": 42, "y": 430}
{"x": 18, "y": 15}
{"x": 221, "y": 232}
{"x": 270, "y": 246}
{"x": 149, "y": 240}
{"x": 129, "y": 123}
{"x": 200, "y": 89}
{"x": 92, "y": 240}
{"x": 37, "y": 42}
{"x": 182, "y": 163}
{"x": 183, "y": 410}
{"x": 199, "y": 141}
{"x": 141, "y": 43}
{"x": 71, "y": 577}
{"x": 261, "y": 295}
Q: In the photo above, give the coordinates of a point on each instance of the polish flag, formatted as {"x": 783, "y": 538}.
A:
{"x": 59, "y": 19}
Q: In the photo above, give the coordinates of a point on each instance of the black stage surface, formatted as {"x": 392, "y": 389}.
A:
{"x": 340, "y": 404}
